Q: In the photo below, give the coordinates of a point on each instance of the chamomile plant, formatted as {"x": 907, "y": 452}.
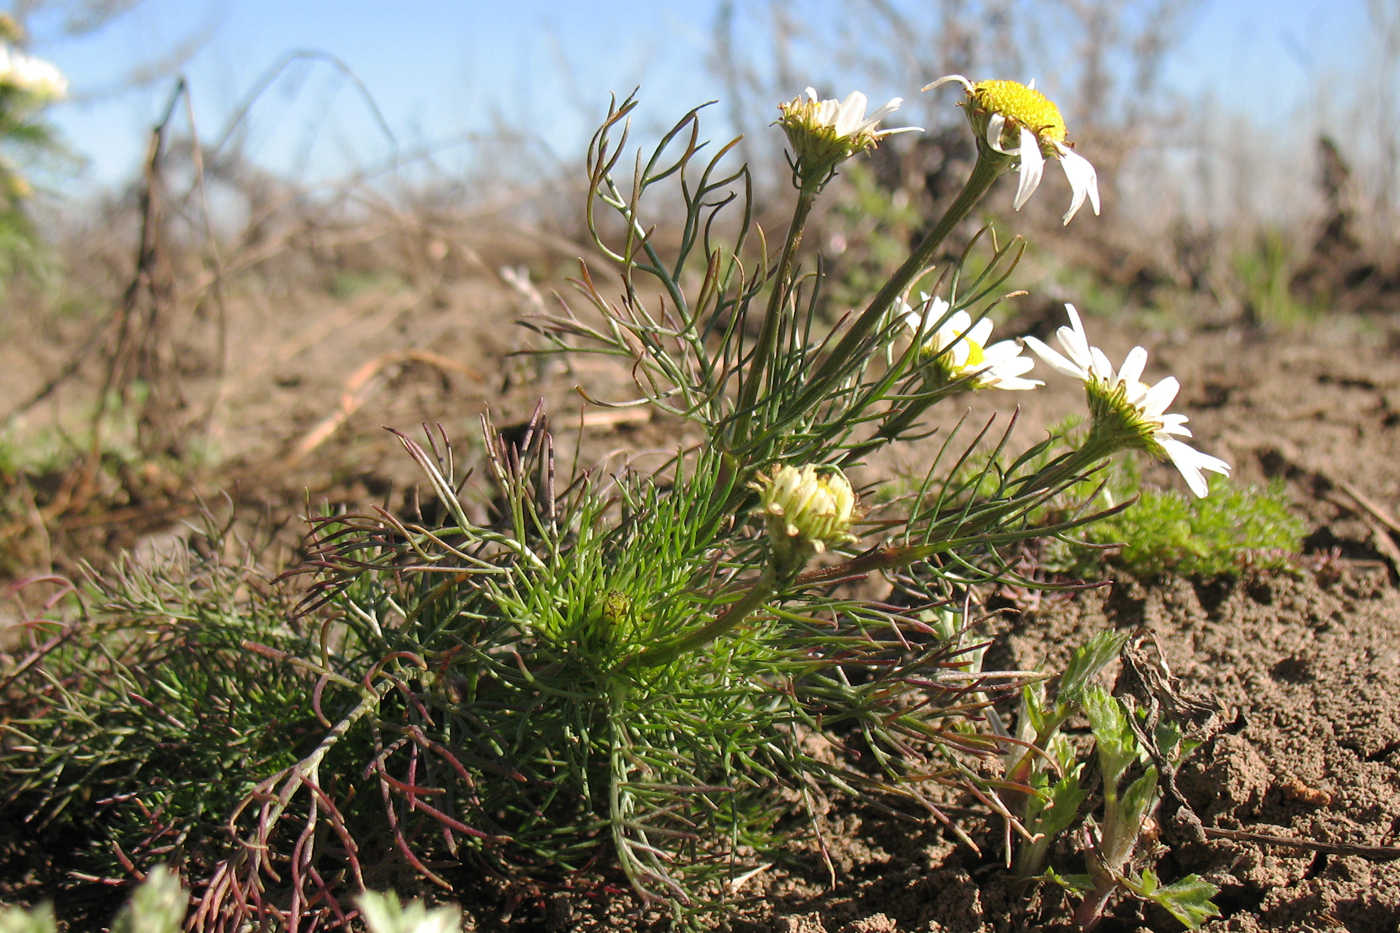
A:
{"x": 657, "y": 676}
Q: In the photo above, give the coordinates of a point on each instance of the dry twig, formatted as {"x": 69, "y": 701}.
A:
{"x": 1380, "y": 853}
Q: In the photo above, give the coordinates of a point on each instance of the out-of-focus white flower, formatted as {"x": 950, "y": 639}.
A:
{"x": 824, "y": 133}
{"x": 1017, "y": 121}
{"x": 33, "y": 76}
{"x": 1126, "y": 411}
{"x": 384, "y": 914}
{"x": 956, "y": 348}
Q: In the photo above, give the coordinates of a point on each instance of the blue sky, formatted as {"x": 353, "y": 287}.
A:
{"x": 438, "y": 70}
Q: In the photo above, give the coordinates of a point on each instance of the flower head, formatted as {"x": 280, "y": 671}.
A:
{"x": 1015, "y": 121}
{"x": 1126, "y": 411}
{"x": 41, "y": 81}
{"x": 824, "y": 133}
{"x": 955, "y": 347}
{"x": 806, "y": 511}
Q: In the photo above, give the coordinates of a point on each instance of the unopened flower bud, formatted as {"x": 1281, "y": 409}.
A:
{"x": 806, "y": 512}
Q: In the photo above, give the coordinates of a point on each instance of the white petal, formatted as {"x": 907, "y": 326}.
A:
{"x": 1032, "y": 168}
{"x": 996, "y": 378}
{"x": 948, "y": 79}
{"x": 1181, "y": 458}
{"x": 1003, "y": 352}
{"x": 850, "y": 118}
{"x": 1133, "y": 365}
{"x": 1100, "y": 366}
{"x": 1174, "y": 424}
{"x": 1053, "y": 358}
{"x": 1073, "y": 338}
{"x": 1083, "y": 181}
{"x": 1160, "y": 396}
{"x": 1190, "y": 462}
{"x": 980, "y": 332}
{"x": 1214, "y": 464}
{"x": 934, "y": 310}
{"x": 885, "y": 111}
{"x": 995, "y": 125}
{"x": 1006, "y": 374}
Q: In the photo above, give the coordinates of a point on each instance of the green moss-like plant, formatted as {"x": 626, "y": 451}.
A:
{"x": 1237, "y": 525}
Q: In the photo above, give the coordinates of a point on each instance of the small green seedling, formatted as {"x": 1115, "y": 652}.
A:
{"x": 1129, "y": 791}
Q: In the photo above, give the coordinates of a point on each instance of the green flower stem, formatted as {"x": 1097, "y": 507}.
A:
{"x": 1030, "y": 860}
{"x": 1077, "y": 463}
{"x": 768, "y": 335}
{"x": 984, "y": 173}
{"x": 668, "y": 651}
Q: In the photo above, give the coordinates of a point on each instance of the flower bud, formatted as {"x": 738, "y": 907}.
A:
{"x": 806, "y": 512}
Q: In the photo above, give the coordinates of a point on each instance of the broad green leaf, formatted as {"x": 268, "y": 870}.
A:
{"x": 1060, "y": 806}
{"x": 38, "y": 919}
{"x": 384, "y": 914}
{"x": 1187, "y": 899}
{"x": 1138, "y": 799}
{"x": 1117, "y": 745}
{"x": 1079, "y": 884}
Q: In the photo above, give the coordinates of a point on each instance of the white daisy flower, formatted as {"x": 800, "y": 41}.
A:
{"x": 825, "y": 133}
{"x": 1126, "y": 411}
{"x": 1017, "y": 121}
{"x": 957, "y": 347}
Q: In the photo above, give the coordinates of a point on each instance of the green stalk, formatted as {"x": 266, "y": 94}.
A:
{"x": 668, "y": 651}
{"x": 768, "y": 335}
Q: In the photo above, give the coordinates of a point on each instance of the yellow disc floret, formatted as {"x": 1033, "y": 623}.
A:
{"x": 1023, "y": 105}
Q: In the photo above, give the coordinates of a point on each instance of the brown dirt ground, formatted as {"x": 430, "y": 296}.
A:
{"x": 1305, "y": 664}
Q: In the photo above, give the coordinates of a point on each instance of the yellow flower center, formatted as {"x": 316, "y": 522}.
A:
{"x": 946, "y": 359}
{"x": 1026, "y": 106}
{"x": 975, "y": 357}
